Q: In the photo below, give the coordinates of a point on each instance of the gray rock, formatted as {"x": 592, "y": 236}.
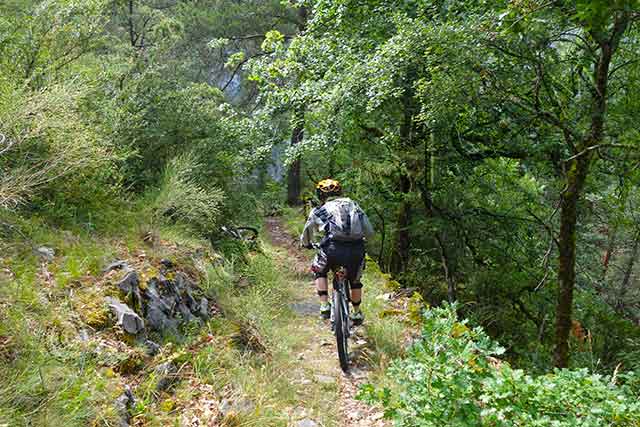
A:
{"x": 185, "y": 313}
{"x": 156, "y": 318}
{"x": 152, "y": 348}
{"x": 307, "y": 422}
{"x": 167, "y": 375}
{"x": 325, "y": 379}
{"x": 123, "y": 405}
{"x": 183, "y": 282}
{"x": 166, "y": 263}
{"x": 129, "y": 286}
{"x": 203, "y": 309}
{"x": 127, "y": 318}
{"x": 46, "y": 253}
{"x": 116, "y": 265}
{"x": 129, "y": 283}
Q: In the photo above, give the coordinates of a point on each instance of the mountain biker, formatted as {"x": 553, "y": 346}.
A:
{"x": 345, "y": 226}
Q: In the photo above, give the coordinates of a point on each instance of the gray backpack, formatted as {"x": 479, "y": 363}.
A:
{"x": 343, "y": 220}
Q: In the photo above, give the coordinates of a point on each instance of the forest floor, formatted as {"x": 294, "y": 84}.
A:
{"x": 319, "y": 356}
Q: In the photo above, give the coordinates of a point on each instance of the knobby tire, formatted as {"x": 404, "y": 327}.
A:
{"x": 341, "y": 329}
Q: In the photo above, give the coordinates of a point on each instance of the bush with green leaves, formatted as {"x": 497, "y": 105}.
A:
{"x": 450, "y": 377}
{"x": 182, "y": 200}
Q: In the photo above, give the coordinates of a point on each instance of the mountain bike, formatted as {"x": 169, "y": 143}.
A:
{"x": 340, "y": 320}
{"x": 340, "y": 316}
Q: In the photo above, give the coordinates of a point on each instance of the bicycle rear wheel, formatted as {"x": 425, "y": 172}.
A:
{"x": 341, "y": 328}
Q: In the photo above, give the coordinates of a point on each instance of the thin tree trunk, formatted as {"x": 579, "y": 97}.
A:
{"x": 294, "y": 182}
{"x": 577, "y": 171}
{"x": 567, "y": 257}
{"x": 401, "y": 244}
{"x": 624, "y": 287}
{"x": 452, "y": 290}
{"x": 608, "y": 253}
{"x": 294, "y": 186}
{"x": 383, "y": 235}
{"x": 132, "y": 32}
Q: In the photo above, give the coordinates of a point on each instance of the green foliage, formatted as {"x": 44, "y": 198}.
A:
{"x": 37, "y": 150}
{"x": 181, "y": 199}
{"x": 450, "y": 377}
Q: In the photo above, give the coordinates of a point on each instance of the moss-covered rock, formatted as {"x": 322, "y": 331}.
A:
{"x": 132, "y": 363}
{"x": 92, "y": 309}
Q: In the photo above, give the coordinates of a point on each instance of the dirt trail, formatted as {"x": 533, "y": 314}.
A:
{"x": 319, "y": 356}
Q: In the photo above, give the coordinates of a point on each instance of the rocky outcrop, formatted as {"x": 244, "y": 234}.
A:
{"x": 127, "y": 318}
{"x": 123, "y": 405}
{"x": 160, "y": 304}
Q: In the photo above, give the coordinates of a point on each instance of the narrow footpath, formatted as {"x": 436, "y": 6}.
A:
{"x": 319, "y": 356}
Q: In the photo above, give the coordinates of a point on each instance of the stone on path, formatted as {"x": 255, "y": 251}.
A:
{"x": 306, "y": 308}
{"x": 307, "y": 422}
{"x": 325, "y": 379}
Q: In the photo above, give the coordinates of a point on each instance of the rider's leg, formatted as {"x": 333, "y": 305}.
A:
{"x": 356, "y": 295}
{"x": 356, "y": 284}
{"x": 320, "y": 268}
{"x": 322, "y": 286}
{"x": 323, "y": 294}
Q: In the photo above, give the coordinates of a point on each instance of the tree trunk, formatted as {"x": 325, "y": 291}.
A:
{"x": 452, "y": 290}
{"x": 577, "y": 171}
{"x": 608, "y": 253}
{"x": 132, "y": 32}
{"x": 294, "y": 186}
{"x": 567, "y": 257}
{"x": 401, "y": 244}
{"x": 624, "y": 287}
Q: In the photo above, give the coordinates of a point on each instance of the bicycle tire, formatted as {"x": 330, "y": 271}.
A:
{"x": 341, "y": 329}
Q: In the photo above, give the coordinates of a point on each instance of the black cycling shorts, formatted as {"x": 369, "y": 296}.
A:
{"x": 335, "y": 254}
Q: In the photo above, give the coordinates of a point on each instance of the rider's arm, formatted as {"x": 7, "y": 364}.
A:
{"x": 307, "y": 233}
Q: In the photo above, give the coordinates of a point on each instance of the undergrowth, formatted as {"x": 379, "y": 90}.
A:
{"x": 451, "y": 376}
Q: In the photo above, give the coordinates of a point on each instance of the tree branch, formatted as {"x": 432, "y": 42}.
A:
{"x": 235, "y": 71}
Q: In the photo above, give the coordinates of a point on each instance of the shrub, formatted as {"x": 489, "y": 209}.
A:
{"x": 181, "y": 199}
{"x": 450, "y": 377}
{"x": 44, "y": 140}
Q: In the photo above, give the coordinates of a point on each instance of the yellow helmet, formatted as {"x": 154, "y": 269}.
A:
{"x": 327, "y": 188}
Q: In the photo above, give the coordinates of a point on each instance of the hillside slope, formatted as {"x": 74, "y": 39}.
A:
{"x": 254, "y": 353}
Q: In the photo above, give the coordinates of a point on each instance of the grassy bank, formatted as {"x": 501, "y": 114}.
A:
{"x": 255, "y": 363}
